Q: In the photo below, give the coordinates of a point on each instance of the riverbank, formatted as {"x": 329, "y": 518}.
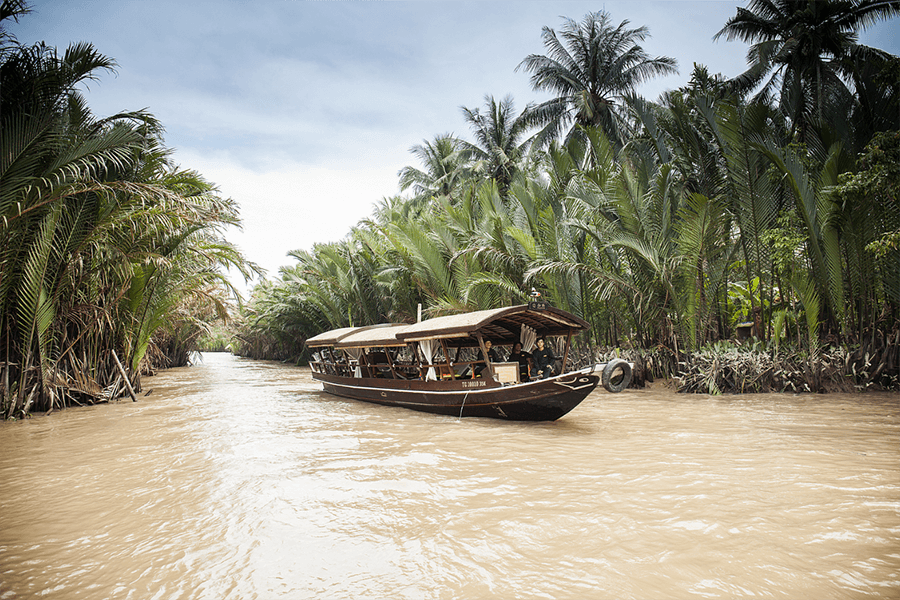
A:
{"x": 724, "y": 368}
{"x": 730, "y": 368}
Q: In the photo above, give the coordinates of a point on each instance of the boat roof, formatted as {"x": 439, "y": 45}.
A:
{"x": 500, "y": 325}
{"x": 376, "y": 336}
{"x": 365, "y": 336}
{"x": 329, "y": 338}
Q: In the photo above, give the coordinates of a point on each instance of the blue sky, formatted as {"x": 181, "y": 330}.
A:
{"x": 304, "y": 112}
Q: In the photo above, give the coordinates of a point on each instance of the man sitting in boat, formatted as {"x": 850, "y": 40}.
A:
{"x": 524, "y": 359}
{"x": 543, "y": 360}
{"x": 492, "y": 356}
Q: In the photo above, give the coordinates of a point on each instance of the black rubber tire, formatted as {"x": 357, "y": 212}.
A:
{"x": 607, "y": 377}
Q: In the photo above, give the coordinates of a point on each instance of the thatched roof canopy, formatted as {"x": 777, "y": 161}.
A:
{"x": 503, "y": 326}
{"x": 377, "y": 336}
{"x": 330, "y": 338}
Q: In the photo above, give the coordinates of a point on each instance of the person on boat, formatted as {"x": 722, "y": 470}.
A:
{"x": 492, "y": 356}
{"x": 543, "y": 360}
{"x": 523, "y": 358}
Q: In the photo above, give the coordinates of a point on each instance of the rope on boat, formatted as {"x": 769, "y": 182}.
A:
{"x": 463, "y": 405}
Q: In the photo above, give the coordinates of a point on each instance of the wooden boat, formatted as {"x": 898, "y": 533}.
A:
{"x": 428, "y": 366}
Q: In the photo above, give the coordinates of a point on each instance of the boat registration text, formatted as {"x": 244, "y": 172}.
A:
{"x": 473, "y": 384}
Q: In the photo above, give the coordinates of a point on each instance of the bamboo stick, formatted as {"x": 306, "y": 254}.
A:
{"x": 124, "y": 377}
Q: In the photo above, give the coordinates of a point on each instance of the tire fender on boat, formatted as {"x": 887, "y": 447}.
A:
{"x": 610, "y": 369}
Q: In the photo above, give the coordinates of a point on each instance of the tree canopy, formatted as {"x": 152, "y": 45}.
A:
{"x": 109, "y": 252}
{"x": 664, "y": 224}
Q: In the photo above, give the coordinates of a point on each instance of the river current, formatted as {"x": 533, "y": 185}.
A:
{"x": 241, "y": 479}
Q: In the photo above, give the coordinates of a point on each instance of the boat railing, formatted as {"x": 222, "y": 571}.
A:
{"x": 452, "y": 370}
{"x": 378, "y": 365}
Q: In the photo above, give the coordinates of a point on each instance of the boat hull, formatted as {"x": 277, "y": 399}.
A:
{"x": 544, "y": 400}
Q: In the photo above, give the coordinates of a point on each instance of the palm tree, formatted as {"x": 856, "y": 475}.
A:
{"x": 590, "y": 70}
{"x": 680, "y": 133}
{"x": 808, "y": 49}
{"x": 868, "y": 210}
{"x": 877, "y": 85}
{"x": 10, "y": 9}
{"x": 444, "y": 168}
{"x": 278, "y": 318}
{"x": 101, "y": 238}
{"x": 500, "y": 143}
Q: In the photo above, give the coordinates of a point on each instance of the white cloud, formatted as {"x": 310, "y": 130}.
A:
{"x": 292, "y": 205}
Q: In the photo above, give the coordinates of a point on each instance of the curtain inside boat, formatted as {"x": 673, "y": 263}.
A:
{"x": 355, "y": 354}
{"x": 428, "y": 351}
{"x": 527, "y": 337}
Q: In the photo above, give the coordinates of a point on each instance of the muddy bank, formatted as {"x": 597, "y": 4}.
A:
{"x": 734, "y": 369}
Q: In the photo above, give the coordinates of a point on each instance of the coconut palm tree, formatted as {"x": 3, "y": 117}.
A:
{"x": 501, "y": 144}
{"x": 445, "y": 167}
{"x": 876, "y": 81}
{"x": 808, "y": 50}
{"x": 590, "y": 67}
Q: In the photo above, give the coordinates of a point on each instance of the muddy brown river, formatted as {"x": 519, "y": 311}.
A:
{"x": 238, "y": 479}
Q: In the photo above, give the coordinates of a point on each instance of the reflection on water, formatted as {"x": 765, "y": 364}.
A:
{"x": 240, "y": 479}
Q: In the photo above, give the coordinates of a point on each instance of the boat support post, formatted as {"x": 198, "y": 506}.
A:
{"x": 484, "y": 353}
{"x": 390, "y": 359}
{"x": 562, "y": 369}
{"x": 447, "y": 358}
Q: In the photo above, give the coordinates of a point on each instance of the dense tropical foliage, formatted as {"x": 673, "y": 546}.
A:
{"x": 664, "y": 224}
{"x": 810, "y": 53}
{"x": 111, "y": 256}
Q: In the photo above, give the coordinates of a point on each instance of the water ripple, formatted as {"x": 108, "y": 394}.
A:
{"x": 241, "y": 479}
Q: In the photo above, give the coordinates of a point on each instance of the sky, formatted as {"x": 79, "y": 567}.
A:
{"x": 304, "y": 112}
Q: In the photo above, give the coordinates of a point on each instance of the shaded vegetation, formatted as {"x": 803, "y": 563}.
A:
{"x": 109, "y": 253}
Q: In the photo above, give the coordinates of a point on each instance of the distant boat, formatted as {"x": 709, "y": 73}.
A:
{"x": 398, "y": 365}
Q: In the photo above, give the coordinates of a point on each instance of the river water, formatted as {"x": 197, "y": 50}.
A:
{"x": 240, "y": 479}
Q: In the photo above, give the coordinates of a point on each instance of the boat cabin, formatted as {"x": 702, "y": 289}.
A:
{"x": 441, "y": 349}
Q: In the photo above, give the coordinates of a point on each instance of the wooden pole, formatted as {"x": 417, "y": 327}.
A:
{"x": 124, "y": 377}
{"x": 566, "y": 353}
{"x": 484, "y": 352}
{"x": 447, "y": 358}
{"x": 364, "y": 362}
{"x": 390, "y": 359}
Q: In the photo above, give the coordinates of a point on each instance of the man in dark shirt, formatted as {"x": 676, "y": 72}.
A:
{"x": 543, "y": 360}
